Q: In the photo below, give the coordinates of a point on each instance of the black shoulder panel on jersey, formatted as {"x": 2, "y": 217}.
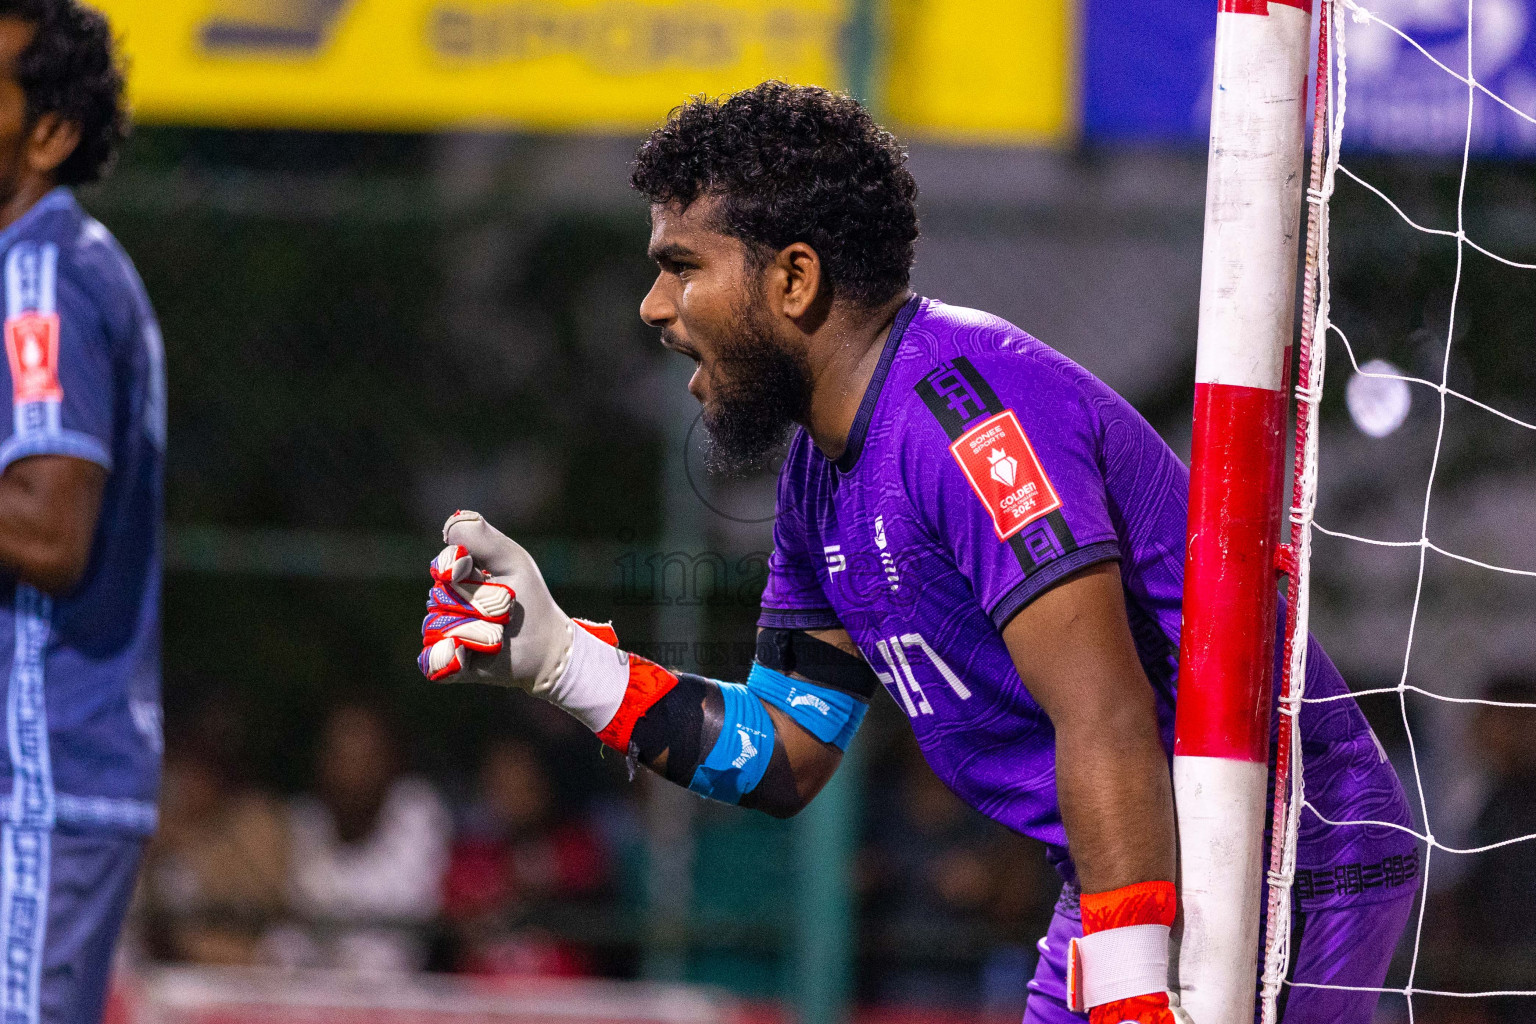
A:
{"x": 957, "y": 394}
{"x": 794, "y": 650}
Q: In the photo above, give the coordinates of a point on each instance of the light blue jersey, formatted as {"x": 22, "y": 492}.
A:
{"x": 85, "y": 379}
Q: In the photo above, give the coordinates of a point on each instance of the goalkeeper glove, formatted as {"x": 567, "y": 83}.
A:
{"x": 1118, "y": 970}
{"x": 475, "y": 581}
{"x": 491, "y": 618}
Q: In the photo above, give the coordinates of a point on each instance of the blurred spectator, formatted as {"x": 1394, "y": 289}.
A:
{"x": 954, "y": 902}
{"x": 520, "y": 859}
{"x": 369, "y": 849}
{"x": 1483, "y": 936}
{"x": 215, "y": 872}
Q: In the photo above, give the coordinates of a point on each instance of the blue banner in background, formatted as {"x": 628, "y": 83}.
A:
{"x": 1147, "y": 70}
{"x": 1147, "y": 74}
{"x": 1398, "y": 100}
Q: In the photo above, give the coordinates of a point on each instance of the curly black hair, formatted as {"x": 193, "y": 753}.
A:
{"x": 70, "y": 69}
{"x": 794, "y": 164}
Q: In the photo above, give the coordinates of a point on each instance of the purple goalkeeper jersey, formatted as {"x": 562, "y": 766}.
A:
{"x": 982, "y": 468}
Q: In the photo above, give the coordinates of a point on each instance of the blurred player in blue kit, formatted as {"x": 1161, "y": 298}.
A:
{"x": 82, "y": 454}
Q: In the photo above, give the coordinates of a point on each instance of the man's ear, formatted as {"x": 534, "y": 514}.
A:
{"x": 52, "y": 139}
{"x": 800, "y": 279}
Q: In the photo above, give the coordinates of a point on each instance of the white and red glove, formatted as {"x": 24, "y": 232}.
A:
{"x": 466, "y": 611}
{"x": 491, "y": 618}
{"x": 1118, "y": 970}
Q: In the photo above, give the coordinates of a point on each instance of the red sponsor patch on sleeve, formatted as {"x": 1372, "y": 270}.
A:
{"x": 32, "y": 346}
{"x": 1001, "y": 465}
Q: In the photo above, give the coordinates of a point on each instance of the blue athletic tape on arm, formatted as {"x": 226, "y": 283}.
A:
{"x": 832, "y": 716}
{"x": 741, "y": 754}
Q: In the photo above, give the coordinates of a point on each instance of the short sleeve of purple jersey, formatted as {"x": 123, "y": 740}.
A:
{"x": 793, "y": 598}
{"x": 58, "y": 360}
{"x": 1005, "y": 472}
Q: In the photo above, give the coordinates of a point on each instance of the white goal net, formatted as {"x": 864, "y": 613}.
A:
{"x": 1455, "y": 44}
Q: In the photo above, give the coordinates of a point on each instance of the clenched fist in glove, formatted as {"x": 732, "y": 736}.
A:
{"x": 477, "y": 577}
{"x": 490, "y": 618}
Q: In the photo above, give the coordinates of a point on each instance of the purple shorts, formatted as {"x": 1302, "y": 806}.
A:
{"x": 1334, "y": 946}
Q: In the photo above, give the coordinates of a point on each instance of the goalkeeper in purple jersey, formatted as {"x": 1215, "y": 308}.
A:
{"x": 967, "y": 519}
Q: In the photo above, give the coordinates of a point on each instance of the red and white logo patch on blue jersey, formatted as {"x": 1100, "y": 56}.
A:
{"x": 1001, "y": 465}
{"x": 32, "y": 346}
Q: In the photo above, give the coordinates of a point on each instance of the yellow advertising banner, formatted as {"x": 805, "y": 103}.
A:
{"x": 595, "y": 64}
{"x": 965, "y": 70}
{"x": 982, "y": 70}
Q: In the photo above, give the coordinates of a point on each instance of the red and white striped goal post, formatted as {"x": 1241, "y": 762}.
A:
{"x": 1227, "y": 649}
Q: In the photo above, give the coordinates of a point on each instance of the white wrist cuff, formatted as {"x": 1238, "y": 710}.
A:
{"x": 594, "y": 682}
{"x": 1117, "y": 963}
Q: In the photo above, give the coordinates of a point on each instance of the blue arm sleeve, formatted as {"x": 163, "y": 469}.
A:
{"x": 736, "y": 763}
{"x": 740, "y": 756}
{"x": 832, "y": 716}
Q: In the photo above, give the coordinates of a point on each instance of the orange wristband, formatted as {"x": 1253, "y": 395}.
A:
{"x": 1142, "y": 903}
{"x": 648, "y": 683}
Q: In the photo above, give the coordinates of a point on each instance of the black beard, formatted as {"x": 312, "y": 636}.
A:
{"x": 760, "y": 392}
